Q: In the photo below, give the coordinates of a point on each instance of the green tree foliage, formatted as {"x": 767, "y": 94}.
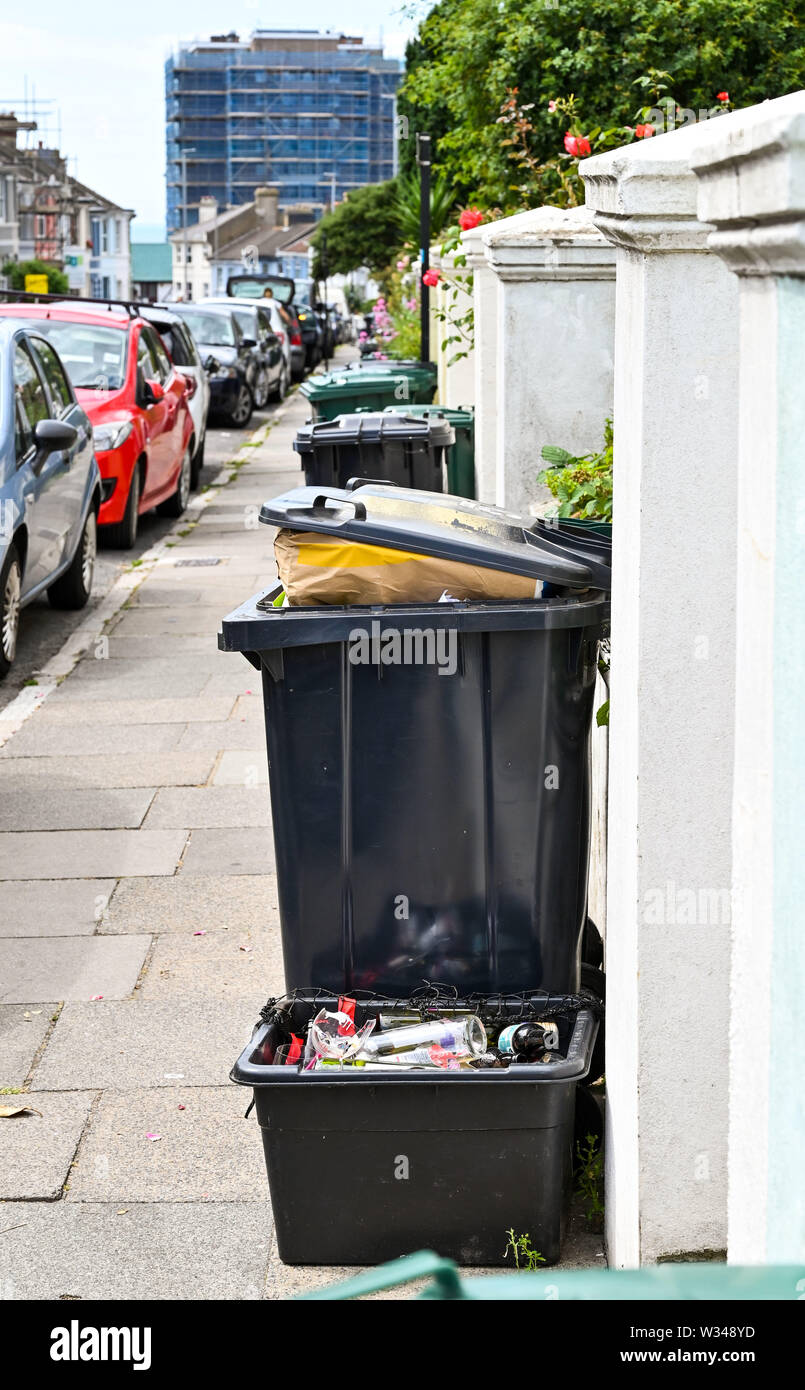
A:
{"x": 469, "y": 54}
{"x": 363, "y": 230}
{"x": 16, "y": 272}
{"x": 442, "y": 202}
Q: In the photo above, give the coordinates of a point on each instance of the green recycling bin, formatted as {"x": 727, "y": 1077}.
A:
{"x": 461, "y": 455}
{"x": 370, "y": 387}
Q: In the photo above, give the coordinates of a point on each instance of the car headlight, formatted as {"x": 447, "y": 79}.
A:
{"x": 224, "y": 373}
{"x": 111, "y": 436}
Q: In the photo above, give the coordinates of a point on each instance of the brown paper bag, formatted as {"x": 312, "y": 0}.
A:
{"x": 317, "y": 569}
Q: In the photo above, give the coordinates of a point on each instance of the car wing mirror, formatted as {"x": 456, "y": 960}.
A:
{"x": 154, "y": 391}
{"x": 50, "y": 436}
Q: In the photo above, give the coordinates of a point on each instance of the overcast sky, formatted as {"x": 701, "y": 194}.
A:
{"x": 100, "y": 65}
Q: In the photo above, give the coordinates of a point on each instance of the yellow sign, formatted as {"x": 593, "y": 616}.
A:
{"x": 36, "y": 284}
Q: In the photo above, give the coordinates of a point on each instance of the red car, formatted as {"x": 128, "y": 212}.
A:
{"x": 137, "y": 404}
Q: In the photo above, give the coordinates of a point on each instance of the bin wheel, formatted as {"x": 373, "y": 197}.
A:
{"x": 592, "y": 950}
{"x": 596, "y": 982}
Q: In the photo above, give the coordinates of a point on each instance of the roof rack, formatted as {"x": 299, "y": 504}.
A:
{"x": 132, "y": 306}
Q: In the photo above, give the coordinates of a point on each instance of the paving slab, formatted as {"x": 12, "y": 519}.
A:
{"x": 235, "y": 680}
{"x": 35, "y": 740}
{"x": 224, "y": 596}
{"x": 122, "y": 680}
{"x": 159, "y": 711}
{"x": 74, "y": 809}
{"x": 236, "y": 767}
{"x": 228, "y": 852}
{"x": 156, "y": 594}
{"x": 61, "y": 967}
{"x": 206, "y": 1151}
{"x": 54, "y": 907}
{"x": 123, "y": 648}
{"x": 89, "y": 853}
{"x": 142, "y": 769}
{"x": 228, "y": 734}
{"x": 22, "y": 1032}
{"x": 209, "y": 807}
{"x": 120, "y": 1046}
{"x": 36, "y": 1150}
{"x": 225, "y": 964}
{"x": 145, "y": 622}
{"x": 160, "y": 1251}
{"x": 190, "y": 902}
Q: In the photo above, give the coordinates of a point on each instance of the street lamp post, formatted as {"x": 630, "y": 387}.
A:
{"x": 423, "y": 160}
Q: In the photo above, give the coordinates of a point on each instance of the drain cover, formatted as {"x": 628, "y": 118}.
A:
{"x": 207, "y": 560}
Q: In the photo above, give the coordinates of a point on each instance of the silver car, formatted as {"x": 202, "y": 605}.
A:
{"x": 184, "y": 354}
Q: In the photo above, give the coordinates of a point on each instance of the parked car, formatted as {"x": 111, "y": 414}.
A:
{"x": 312, "y": 335}
{"x": 136, "y": 400}
{"x": 184, "y": 354}
{"x": 278, "y": 323}
{"x": 254, "y": 318}
{"x": 281, "y": 289}
{"x": 231, "y": 360}
{"x": 50, "y": 485}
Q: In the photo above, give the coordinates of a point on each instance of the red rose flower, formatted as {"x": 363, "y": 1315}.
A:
{"x": 722, "y": 96}
{"x": 577, "y": 145}
{"x": 642, "y": 132}
{"x": 431, "y": 278}
{"x": 469, "y": 218}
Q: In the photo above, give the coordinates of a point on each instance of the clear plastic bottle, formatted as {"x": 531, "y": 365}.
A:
{"x": 461, "y": 1036}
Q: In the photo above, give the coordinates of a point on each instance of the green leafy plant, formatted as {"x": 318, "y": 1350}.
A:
{"x": 590, "y": 1181}
{"x": 16, "y": 272}
{"x": 522, "y": 1251}
{"x": 442, "y": 202}
{"x": 581, "y": 484}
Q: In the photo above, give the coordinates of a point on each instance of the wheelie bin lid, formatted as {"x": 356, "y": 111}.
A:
{"x": 390, "y": 364}
{"x": 374, "y": 512}
{"x": 373, "y": 427}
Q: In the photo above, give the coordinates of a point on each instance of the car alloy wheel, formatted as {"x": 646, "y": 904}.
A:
{"x": 183, "y": 485}
{"x": 10, "y": 613}
{"x": 89, "y": 550}
{"x": 261, "y": 390}
{"x": 243, "y": 407}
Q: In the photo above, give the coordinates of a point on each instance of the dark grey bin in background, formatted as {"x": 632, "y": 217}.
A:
{"x": 407, "y": 451}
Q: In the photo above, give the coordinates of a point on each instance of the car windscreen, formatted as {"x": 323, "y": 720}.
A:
{"x": 94, "y": 355}
{"x": 215, "y": 330}
{"x": 248, "y": 287}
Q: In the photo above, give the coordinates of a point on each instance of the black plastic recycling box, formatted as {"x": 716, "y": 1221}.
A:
{"x": 431, "y": 822}
{"x": 409, "y": 451}
{"x": 364, "y": 1169}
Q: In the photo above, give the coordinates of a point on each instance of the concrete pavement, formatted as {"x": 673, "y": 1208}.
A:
{"x": 139, "y": 937}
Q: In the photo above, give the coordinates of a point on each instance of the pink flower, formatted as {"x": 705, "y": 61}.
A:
{"x": 577, "y": 145}
{"x": 469, "y": 218}
{"x": 431, "y": 278}
{"x": 642, "y": 132}
{"x": 552, "y": 106}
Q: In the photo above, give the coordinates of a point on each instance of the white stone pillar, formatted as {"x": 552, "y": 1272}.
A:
{"x": 751, "y": 177}
{"x": 485, "y": 305}
{"x": 671, "y": 726}
{"x": 556, "y": 306}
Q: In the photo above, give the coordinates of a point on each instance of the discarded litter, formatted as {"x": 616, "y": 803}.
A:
{"x": 428, "y": 1035}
